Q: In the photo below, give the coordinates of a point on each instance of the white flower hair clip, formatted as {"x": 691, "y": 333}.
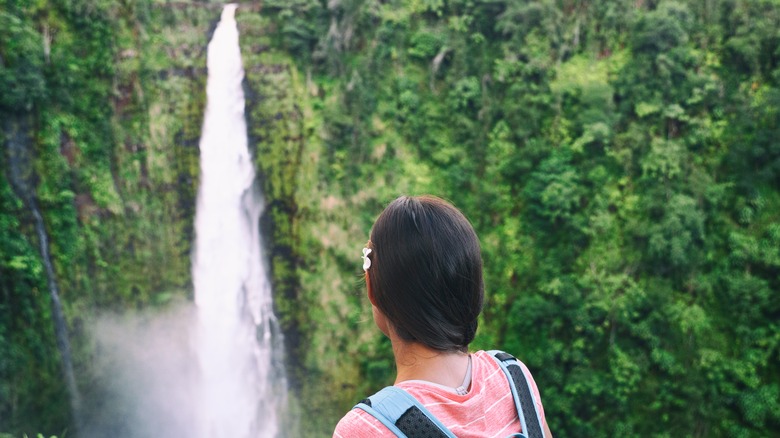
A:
{"x": 366, "y": 260}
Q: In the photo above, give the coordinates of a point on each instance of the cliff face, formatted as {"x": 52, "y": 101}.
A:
{"x": 277, "y": 139}
{"x": 102, "y": 109}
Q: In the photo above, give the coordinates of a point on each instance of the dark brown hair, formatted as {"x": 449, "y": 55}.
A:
{"x": 426, "y": 272}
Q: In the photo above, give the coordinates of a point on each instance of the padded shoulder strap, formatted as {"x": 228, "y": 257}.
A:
{"x": 525, "y": 401}
{"x": 403, "y": 414}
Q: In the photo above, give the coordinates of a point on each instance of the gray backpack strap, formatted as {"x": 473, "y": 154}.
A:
{"x": 525, "y": 401}
{"x": 403, "y": 414}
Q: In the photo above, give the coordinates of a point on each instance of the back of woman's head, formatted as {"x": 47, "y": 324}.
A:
{"x": 426, "y": 272}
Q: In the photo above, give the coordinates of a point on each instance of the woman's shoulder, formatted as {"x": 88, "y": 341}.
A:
{"x": 490, "y": 364}
{"x": 359, "y": 423}
{"x": 489, "y": 385}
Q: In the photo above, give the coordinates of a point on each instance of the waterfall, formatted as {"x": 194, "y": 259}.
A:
{"x": 242, "y": 386}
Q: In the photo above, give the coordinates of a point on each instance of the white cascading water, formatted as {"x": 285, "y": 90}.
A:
{"x": 242, "y": 387}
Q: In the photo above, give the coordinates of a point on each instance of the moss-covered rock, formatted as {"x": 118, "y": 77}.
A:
{"x": 114, "y": 128}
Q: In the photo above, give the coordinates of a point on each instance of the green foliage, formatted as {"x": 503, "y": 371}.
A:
{"x": 300, "y": 24}
{"x": 616, "y": 180}
{"x": 21, "y": 64}
{"x": 425, "y": 45}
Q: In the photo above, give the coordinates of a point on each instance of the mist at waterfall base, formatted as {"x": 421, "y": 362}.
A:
{"x": 212, "y": 369}
{"x": 145, "y": 375}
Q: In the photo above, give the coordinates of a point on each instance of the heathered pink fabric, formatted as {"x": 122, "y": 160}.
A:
{"x": 488, "y": 409}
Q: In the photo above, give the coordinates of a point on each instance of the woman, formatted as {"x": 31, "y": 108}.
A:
{"x": 423, "y": 272}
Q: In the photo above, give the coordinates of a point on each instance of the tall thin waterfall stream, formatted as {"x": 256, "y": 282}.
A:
{"x": 237, "y": 339}
{"x": 19, "y": 144}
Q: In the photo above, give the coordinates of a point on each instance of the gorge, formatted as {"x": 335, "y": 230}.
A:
{"x": 618, "y": 160}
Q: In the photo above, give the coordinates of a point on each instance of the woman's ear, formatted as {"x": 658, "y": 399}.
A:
{"x": 379, "y": 318}
{"x": 370, "y": 290}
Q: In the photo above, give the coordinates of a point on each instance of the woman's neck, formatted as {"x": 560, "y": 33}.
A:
{"x": 415, "y": 361}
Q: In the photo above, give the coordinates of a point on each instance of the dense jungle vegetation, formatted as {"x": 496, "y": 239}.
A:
{"x": 620, "y": 160}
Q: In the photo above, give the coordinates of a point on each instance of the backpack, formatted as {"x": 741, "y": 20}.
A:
{"x": 407, "y": 417}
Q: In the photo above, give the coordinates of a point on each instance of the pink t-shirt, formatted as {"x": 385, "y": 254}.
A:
{"x": 487, "y": 410}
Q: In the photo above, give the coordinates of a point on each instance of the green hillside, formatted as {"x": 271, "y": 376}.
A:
{"x": 619, "y": 159}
